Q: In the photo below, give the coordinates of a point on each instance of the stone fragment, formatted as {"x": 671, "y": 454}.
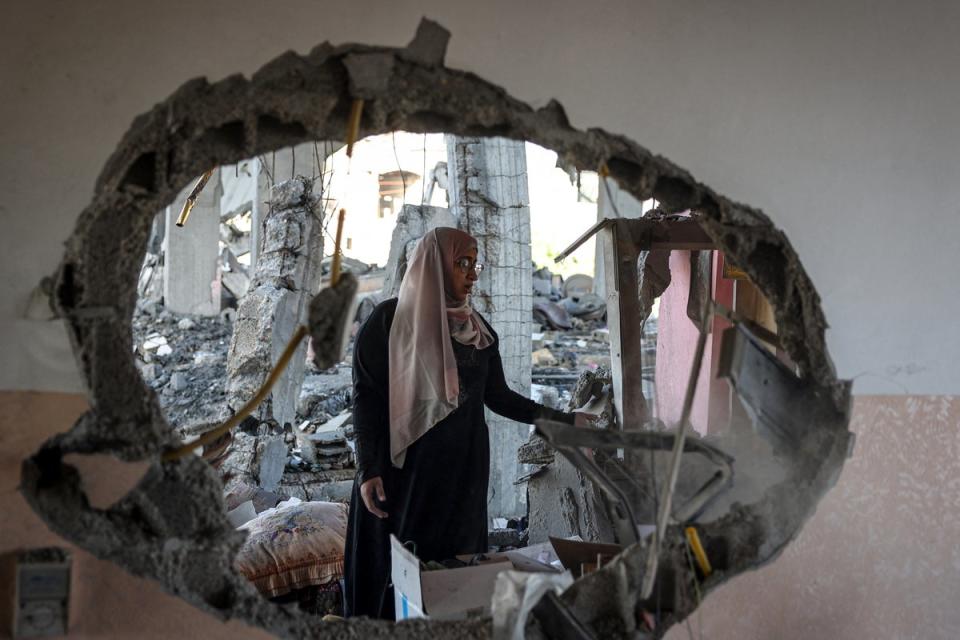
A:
{"x": 178, "y": 381}
{"x": 149, "y": 372}
{"x": 273, "y": 458}
{"x": 429, "y": 45}
{"x": 412, "y": 223}
{"x": 543, "y": 358}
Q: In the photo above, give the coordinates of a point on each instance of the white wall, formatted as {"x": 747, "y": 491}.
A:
{"x": 838, "y": 119}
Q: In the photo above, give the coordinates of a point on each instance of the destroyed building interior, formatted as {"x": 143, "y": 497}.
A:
{"x": 729, "y": 266}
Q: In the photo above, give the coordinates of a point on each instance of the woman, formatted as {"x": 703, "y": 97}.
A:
{"x": 424, "y": 366}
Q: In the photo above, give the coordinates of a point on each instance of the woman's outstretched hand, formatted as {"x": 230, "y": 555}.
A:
{"x": 373, "y": 488}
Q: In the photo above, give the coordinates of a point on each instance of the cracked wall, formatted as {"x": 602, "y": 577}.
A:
{"x": 171, "y": 526}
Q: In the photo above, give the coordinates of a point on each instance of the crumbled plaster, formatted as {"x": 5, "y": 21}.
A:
{"x": 172, "y": 527}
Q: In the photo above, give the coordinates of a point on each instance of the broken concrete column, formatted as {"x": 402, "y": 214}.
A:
{"x": 285, "y": 279}
{"x": 487, "y": 188}
{"x": 190, "y": 255}
{"x": 306, "y": 159}
{"x": 413, "y": 222}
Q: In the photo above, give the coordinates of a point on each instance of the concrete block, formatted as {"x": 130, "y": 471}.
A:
{"x": 273, "y": 458}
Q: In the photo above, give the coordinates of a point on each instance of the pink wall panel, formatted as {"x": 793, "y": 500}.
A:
{"x": 881, "y": 556}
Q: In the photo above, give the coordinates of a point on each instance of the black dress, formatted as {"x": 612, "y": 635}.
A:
{"x": 438, "y": 500}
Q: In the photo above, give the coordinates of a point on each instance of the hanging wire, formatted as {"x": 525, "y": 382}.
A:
{"x": 263, "y": 166}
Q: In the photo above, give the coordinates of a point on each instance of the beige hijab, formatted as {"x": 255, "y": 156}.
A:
{"x": 424, "y": 385}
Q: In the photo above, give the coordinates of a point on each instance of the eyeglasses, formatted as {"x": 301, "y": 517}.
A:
{"x": 465, "y": 264}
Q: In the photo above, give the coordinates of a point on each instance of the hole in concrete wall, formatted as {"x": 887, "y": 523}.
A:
{"x": 791, "y": 420}
{"x": 142, "y": 172}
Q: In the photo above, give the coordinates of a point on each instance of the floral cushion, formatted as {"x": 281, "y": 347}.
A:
{"x": 296, "y": 545}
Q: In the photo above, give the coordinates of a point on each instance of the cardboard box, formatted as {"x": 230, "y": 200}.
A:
{"x": 453, "y": 594}
{"x": 582, "y": 557}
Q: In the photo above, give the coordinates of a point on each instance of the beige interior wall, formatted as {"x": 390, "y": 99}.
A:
{"x": 106, "y": 601}
{"x": 838, "y": 119}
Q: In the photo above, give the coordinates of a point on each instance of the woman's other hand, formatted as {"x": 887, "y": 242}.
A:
{"x": 369, "y": 491}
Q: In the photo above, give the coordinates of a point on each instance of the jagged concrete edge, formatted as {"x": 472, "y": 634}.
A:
{"x": 293, "y": 99}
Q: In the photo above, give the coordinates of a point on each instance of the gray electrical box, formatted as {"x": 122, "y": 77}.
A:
{"x": 43, "y": 593}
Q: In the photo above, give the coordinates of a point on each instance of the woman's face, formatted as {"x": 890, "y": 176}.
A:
{"x": 461, "y": 274}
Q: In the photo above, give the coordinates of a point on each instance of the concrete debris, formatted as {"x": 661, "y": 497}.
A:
{"x": 348, "y": 265}
{"x": 536, "y": 451}
{"x": 577, "y": 285}
{"x": 236, "y": 283}
{"x": 324, "y": 447}
{"x": 547, "y": 284}
{"x": 586, "y": 306}
{"x": 560, "y": 304}
{"x": 561, "y": 356}
{"x": 548, "y": 396}
{"x": 325, "y": 395}
{"x": 287, "y": 271}
{"x": 412, "y": 223}
{"x": 543, "y": 358}
{"x": 197, "y": 357}
{"x": 272, "y": 458}
{"x": 551, "y": 315}
{"x": 581, "y": 511}
{"x": 429, "y": 45}
{"x": 178, "y": 381}
{"x": 261, "y": 498}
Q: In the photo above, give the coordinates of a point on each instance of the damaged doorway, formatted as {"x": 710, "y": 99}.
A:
{"x": 171, "y": 525}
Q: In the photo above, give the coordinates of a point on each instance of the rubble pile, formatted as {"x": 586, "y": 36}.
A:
{"x": 324, "y": 447}
{"x": 566, "y": 304}
{"x": 322, "y": 460}
{"x": 572, "y": 337}
{"x": 182, "y": 358}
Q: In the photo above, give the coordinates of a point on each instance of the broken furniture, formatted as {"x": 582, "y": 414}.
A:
{"x": 570, "y": 442}
{"x": 773, "y": 396}
{"x": 623, "y": 241}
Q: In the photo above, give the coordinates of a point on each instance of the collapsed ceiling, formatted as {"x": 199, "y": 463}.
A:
{"x": 171, "y": 526}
